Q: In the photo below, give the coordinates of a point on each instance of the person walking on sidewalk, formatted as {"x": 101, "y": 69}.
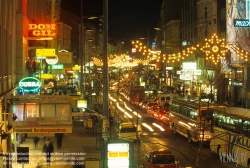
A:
{"x": 48, "y": 148}
{"x": 59, "y": 138}
{"x": 36, "y": 139}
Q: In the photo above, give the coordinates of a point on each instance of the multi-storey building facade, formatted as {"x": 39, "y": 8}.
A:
{"x": 15, "y": 43}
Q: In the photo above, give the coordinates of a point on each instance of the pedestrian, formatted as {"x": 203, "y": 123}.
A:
{"x": 48, "y": 148}
{"x": 36, "y": 139}
{"x": 59, "y": 138}
{"x": 240, "y": 103}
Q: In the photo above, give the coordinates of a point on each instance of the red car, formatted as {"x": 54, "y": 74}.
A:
{"x": 153, "y": 109}
{"x": 157, "y": 159}
{"x": 160, "y": 113}
{"x": 149, "y": 106}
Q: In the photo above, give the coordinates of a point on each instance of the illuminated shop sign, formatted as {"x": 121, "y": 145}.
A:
{"x": 43, "y": 129}
{"x": 82, "y": 103}
{"x": 30, "y": 84}
{"x": 46, "y": 52}
{"x": 42, "y": 30}
{"x": 51, "y": 60}
{"x": 188, "y": 65}
{"x": 118, "y": 155}
{"x": 241, "y": 23}
{"x": 57, "y": 66}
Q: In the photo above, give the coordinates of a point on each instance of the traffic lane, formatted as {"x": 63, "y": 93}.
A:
{"x": 186, "y": 153}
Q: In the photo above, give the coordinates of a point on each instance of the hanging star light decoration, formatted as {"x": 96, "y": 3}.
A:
{"x": 214, "y": 49}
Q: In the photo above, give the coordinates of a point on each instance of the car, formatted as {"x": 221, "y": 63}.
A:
{"x": 166, "y": 117}
{"x": 143, "y": 103}
{"x": 152, "y": 110}
{"x": 163, "y": 159}
{"x": 83, "y": 113}
{"x": 159, "y": 113}
{"x": 149, "y": 106}
{"x": 128, "y": 131}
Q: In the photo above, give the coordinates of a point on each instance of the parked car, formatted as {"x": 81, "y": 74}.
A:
{"x": 163, "y": 159}
{"x": 83, "y": 113}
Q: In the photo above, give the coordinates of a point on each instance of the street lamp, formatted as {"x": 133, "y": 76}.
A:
{"x": 89, "y": 73}
{"x": 105, "y": 59}
{"x": 81, "y": 51}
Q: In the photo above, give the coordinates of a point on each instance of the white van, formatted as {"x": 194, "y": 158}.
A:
{"x": 127, "y": 130}
{"x": 161, "y": 99}
{"x": 81, "y": 114}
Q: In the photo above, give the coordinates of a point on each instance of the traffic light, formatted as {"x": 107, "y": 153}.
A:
{"x": 3, "y": 135}
{"x": 101, "y": 24}
{"x": 111, "y": 121}
{"x": 9, "y": 127}
{"x": 14, "y": 117}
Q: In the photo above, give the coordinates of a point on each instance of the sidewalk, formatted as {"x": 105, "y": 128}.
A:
{"x": 81, "y": 144}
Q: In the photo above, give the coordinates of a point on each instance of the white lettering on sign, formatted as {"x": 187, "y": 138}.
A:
{"x": 241, "y": 23}
{"x": 189, "y": 72}
{"x": 29, "y": 84}
{"x": 55, "y": 99}
{"x": 62, "y": 98}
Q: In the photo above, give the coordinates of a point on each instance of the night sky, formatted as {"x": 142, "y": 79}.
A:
{"x": 127, "y": 19}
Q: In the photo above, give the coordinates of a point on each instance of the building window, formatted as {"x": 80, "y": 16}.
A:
{"x": 205, "y": 12}
{"x": 239, "y": 75}
{"x": 206, "y": 34}
{"x": 32, "y": 110}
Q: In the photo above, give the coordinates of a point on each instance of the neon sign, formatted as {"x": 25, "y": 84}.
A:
{"x": 29, "y": 84}
{"x": 52, "y": 61}
{"x": 42, "y": 30}
{"x": 241, "y": 23}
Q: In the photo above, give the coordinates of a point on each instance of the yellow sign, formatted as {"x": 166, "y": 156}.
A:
{"x": 82, "y": 103}
{"x": 90, "y": 123}
{"x": 42, "y": 129}
{"x": 123, "y": 154}
{"x": 112, "y": 154}
{"x": 76, "y": 68}
{"x": 45, "y": 76}
{"x": 48, "y": 52}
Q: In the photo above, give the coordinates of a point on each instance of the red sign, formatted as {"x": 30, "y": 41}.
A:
{"x": 42, "y": 30}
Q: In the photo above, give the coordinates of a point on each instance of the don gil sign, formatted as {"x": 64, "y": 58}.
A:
{"x": 29, "y": 84}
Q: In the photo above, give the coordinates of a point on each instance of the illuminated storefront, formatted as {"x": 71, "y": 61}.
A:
{"x": 41, "y": 114}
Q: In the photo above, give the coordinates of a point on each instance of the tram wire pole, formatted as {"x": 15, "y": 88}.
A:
{"x": 137, "y": 141}
{"x": 199, "y": 149}
{"x": 105, "y": 110}
{"x": 203, "y": 130}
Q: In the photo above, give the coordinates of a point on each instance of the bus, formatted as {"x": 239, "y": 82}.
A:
{"x": 231, "y": 135}
{"x": 136, "y": 94}
{"x": 192, "y": 119}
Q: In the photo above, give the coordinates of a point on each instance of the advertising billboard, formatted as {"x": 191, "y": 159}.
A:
{"x": 238, "y": 27}
{"x": 119, "y": 154}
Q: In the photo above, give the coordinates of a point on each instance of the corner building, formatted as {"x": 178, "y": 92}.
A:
{"x": 15, "y": 49}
